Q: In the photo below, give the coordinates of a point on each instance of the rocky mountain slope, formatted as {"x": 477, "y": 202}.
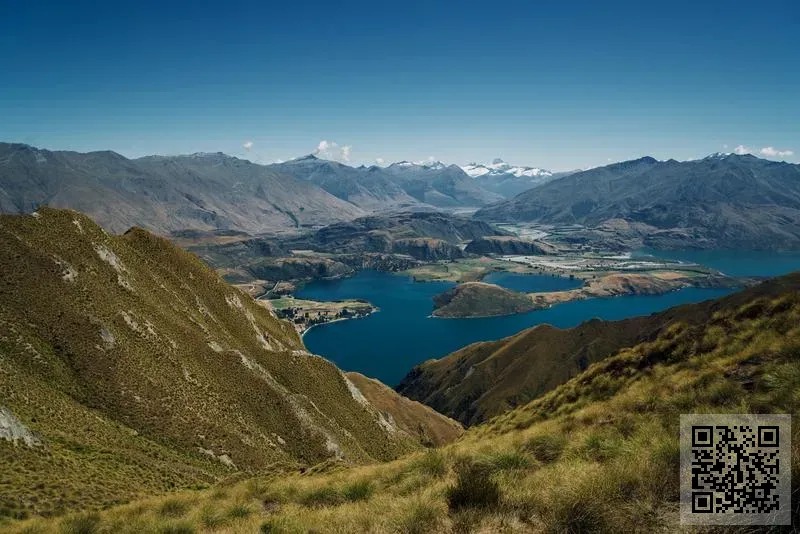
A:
{"x": 128, "y": 367}
{"x": 431, "y": 427}
{"x": 599, "y": 453}
{"x": 370, "y": 188}
{"x": 722, "y": 201}
{"x": 484, "y": 380}
{"x": 440, "y": 185}
{"x": 210, "y": 192}
{"x": 509, "y": 246}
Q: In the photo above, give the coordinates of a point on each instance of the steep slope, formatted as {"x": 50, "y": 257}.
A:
{"x": 726, "y": 201}
{"x": 598, "y": 454}
{"x": 440, "y": 185}
{"x": 484, "y": 380}
{"x": 370, "y": 188}
{"x": 209, "y": 192}
{"x": 128, "y": 367}
{"x": 509, "y": 246}
{"x": 431, "y": 427}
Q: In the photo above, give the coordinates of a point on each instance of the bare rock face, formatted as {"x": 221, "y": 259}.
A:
{"x": 508, "y": 246}
{"x": 12, "y": 429}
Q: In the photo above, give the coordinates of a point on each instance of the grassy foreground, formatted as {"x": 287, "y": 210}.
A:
{"x": 597, "y": 454}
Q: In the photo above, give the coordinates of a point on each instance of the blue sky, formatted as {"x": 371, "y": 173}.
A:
{"x": 570, "y": 85}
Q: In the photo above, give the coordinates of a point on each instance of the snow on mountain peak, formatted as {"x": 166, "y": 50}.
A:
{"x": 499, "y": 167}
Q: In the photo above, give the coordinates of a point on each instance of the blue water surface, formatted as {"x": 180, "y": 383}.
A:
{"x": 733, "y": 262}
{"x": 387, "y": 344}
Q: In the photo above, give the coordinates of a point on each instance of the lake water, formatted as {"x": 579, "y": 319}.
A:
{"x": 733, "y": 263}
{"x": 530, "y": 283}
{"x": 387, "y": 344}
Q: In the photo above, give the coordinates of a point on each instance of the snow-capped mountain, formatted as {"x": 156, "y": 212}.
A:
{"x": 499, "y": 167}
{"x": 506, "y": 179}
{"x": 428, "y": 164}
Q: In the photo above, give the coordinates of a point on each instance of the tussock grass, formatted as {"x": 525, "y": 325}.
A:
{"x": 562, "y": 463}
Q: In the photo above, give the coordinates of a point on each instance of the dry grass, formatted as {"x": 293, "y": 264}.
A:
{"x": 598, "y": 454}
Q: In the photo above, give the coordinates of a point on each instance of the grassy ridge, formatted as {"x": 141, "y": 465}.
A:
{"x": 139, "y": 370}
{"x": 487, "y": 379}
{"x": 597, "y": 454}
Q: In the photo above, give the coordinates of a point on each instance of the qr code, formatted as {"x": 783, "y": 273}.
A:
{"x": 735, "y": 469}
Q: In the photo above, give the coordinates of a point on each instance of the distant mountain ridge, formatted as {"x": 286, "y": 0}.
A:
{"x": 369, "y": 188}
{"x": 165, "y": 194}
{"x": 509, "y": 180}
{"x": 400, "y": 186}
{"x": 722, "y": 201}
{"x": 440, "y": 185}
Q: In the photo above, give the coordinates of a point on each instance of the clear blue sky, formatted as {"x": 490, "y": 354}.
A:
{"x": 556, "y": 84}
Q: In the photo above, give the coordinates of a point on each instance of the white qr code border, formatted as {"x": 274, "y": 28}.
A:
{"x": 707, "y": 464}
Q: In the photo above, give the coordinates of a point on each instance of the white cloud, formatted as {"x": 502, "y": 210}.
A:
{"x": 380, "y": 161}
{"x": 767, "y": 151}
{"x": 247, "y": 145}
{"x": 725, "y": 146}
{"x": 771, "y": 152}
{"x": 333, "y": 151}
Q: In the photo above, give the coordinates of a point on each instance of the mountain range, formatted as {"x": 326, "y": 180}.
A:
{"x": 509, "y": 180}
{"x": 211, "y": 192}
{"x": 722, "y": 201}
{"x": 216, "y": 194}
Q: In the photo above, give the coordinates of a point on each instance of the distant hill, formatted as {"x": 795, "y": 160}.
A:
{"x": 128, "y": 368}
{"x": 440, "y": 185}
{"x": 208, "y": 192}
{"x": 484, "y": 380}
{"x": 478, "y": 299}
{"x": 423, "y": 235}
{"x": 722, "y": 201}
{"x": 370, "y": 188}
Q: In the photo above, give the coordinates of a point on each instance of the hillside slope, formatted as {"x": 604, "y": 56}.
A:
{"x": 722, "y": 201}
{"x": 368, "y": 188}
{"x": 483, "y": 380}
{"x": 479, "y": 299}
{"x": 210, "y": 192}
{"x": 128, "y": 367}
{"x": 443, "y": 186}
{"x": 598, "y": 454}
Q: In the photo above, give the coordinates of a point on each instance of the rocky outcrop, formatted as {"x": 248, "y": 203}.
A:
{"x": 509, "y": 246}
{"x": 427, "y": 249}
{"x": 298, "y": 268}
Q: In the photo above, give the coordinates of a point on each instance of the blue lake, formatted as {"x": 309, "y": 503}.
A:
{"x": 530, "y": 283}
{"x": 387, "y": 344}
{"x": 733, "y": 263}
